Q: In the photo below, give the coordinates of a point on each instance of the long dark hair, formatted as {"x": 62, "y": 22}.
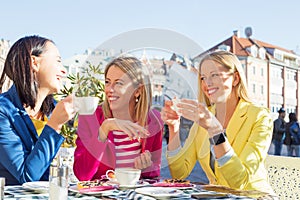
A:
{"x": 18, "y": 68}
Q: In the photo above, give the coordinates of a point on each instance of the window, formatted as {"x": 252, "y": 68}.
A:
{"x": 254, "y": 51}
{"x": 253, "y": 88}
{"x": 224, "y": 47}
{"x": 278, "y": 56}
{"x": 262, "y": 53}
{"x": 262, "y": 89}
{"x": 262, "y": 71}
{"x": 253, "y": 70}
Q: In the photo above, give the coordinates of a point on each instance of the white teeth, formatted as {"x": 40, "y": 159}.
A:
{"x": 211, "y": 91}
{"x": 112, "y": 98}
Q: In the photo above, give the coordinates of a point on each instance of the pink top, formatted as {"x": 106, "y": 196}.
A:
{"x": 92, "y": 158}
{"x": 126, "y": 150}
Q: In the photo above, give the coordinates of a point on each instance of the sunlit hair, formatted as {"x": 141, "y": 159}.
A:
{"x": 230, "y": 62}
{"x": 17, "y": 67}
{"x": 140, "y": 78}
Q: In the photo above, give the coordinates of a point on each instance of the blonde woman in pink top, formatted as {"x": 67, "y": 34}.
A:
{"x": 124, "y": 131}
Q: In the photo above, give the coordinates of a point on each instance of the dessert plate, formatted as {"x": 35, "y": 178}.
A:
{"x": 174, "y": 185}
{"x": 97, "y": 190}
{"x": 40, "y": 186}
{"x": 160, "y": 192}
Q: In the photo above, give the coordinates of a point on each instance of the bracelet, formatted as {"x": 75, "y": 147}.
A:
{"x": 218, "y": 138}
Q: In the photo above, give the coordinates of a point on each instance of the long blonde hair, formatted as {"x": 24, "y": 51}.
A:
{"x": 139, "y": 75}
{"x": 232, "y": 63}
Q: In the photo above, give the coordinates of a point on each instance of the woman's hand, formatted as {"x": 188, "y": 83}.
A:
{"x": 200, "y": 114}
{"x": 169, "y": 115}
{"x": 133, "y": 130}
{"x": 143, "y": 161}
{"x": 63, "y": 112}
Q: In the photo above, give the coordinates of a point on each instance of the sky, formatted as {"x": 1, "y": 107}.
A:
{"x": 76, "y": 25}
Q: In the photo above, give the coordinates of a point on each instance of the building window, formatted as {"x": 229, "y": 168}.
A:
{"x": 278, "y": 56}
{"x": 253, "y": 88}
{"x": 262, "y": 72}
{"x": 224, "y": 47}
{"x": 254, "y": 51}
{"x": 262, "y": 89}
{"x": 262, "y": 53}
{"x": 253, "y": 70}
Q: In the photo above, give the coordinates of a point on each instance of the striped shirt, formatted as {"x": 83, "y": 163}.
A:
{"x": 126, "y": 150}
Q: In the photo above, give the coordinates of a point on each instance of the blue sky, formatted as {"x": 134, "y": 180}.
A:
{"x": 76, "y": 25}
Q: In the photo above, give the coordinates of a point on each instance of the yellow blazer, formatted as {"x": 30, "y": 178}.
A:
{"x": 249, "y": 132}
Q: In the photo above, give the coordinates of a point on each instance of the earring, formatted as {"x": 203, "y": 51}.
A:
{"x": 136, "y": 100}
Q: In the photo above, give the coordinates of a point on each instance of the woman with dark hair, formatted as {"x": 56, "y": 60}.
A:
{"x": 28, "y": 139}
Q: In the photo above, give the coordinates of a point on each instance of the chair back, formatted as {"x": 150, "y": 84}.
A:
{"x": 284, "y": 176}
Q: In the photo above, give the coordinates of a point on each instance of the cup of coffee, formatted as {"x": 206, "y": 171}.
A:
{"x": 174, "y": 106}
{"x": 86, "y": 105}
{"x": 126, "y": 176}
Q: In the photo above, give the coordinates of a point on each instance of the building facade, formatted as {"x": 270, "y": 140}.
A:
{"x": 4, "y": 48}
{"x": 272, "y": 72}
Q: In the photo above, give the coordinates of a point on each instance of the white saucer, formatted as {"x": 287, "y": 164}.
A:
{"x": 74, "y": 188}
{"x": 135, "y": 186}
{"x": 160, "y": 192}
{"x": 40, "y": 186}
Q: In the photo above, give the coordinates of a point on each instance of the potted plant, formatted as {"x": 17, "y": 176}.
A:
{"x": 87, "y": 84}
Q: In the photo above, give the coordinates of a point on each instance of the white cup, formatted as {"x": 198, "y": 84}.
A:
{"x": 127, "y": 176}
{"x": 110, "y": 175}
{"x": 86, "y": 105}
{"x": 174, "y": 106}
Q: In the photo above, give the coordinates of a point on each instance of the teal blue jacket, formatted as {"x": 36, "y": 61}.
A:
{"x": 25, "y": 157}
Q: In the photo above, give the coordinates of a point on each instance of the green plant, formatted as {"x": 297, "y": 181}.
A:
{"x": 86, "y": 83}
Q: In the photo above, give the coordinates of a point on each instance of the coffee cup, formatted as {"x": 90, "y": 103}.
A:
{"x": 110, "y": 175}
{"x": 86, "y": 105}
{"x": 125, "y": 176}
{"x": 174, "y": 106}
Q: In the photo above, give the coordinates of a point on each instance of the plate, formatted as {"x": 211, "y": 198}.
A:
{"x": 137, "y": 185}
{"x": 41, "y": 186}
{"x": 142, "y": 184}
{"x": 160, "y": 192}
{"x": 74, "y": 188}
{"x": 174, "y": 185}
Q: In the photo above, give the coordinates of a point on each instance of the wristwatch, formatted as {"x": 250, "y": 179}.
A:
{"x": 218, "y": 139}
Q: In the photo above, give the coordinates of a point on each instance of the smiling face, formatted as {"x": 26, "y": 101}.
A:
{"x": 216, "y": 81}
{"x": 119, "y": 89}
{"x": 49, "y": 69}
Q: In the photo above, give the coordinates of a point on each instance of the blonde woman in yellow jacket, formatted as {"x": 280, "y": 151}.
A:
{"x": 230, "y": 137}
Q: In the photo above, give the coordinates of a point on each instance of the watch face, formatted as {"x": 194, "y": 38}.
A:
{"x": 218, "y": 139}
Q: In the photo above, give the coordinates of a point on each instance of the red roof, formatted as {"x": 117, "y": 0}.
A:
{"x": 239, "y": 45}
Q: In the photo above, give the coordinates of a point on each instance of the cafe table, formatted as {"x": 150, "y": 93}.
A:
{"x": 197, "y": 191}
